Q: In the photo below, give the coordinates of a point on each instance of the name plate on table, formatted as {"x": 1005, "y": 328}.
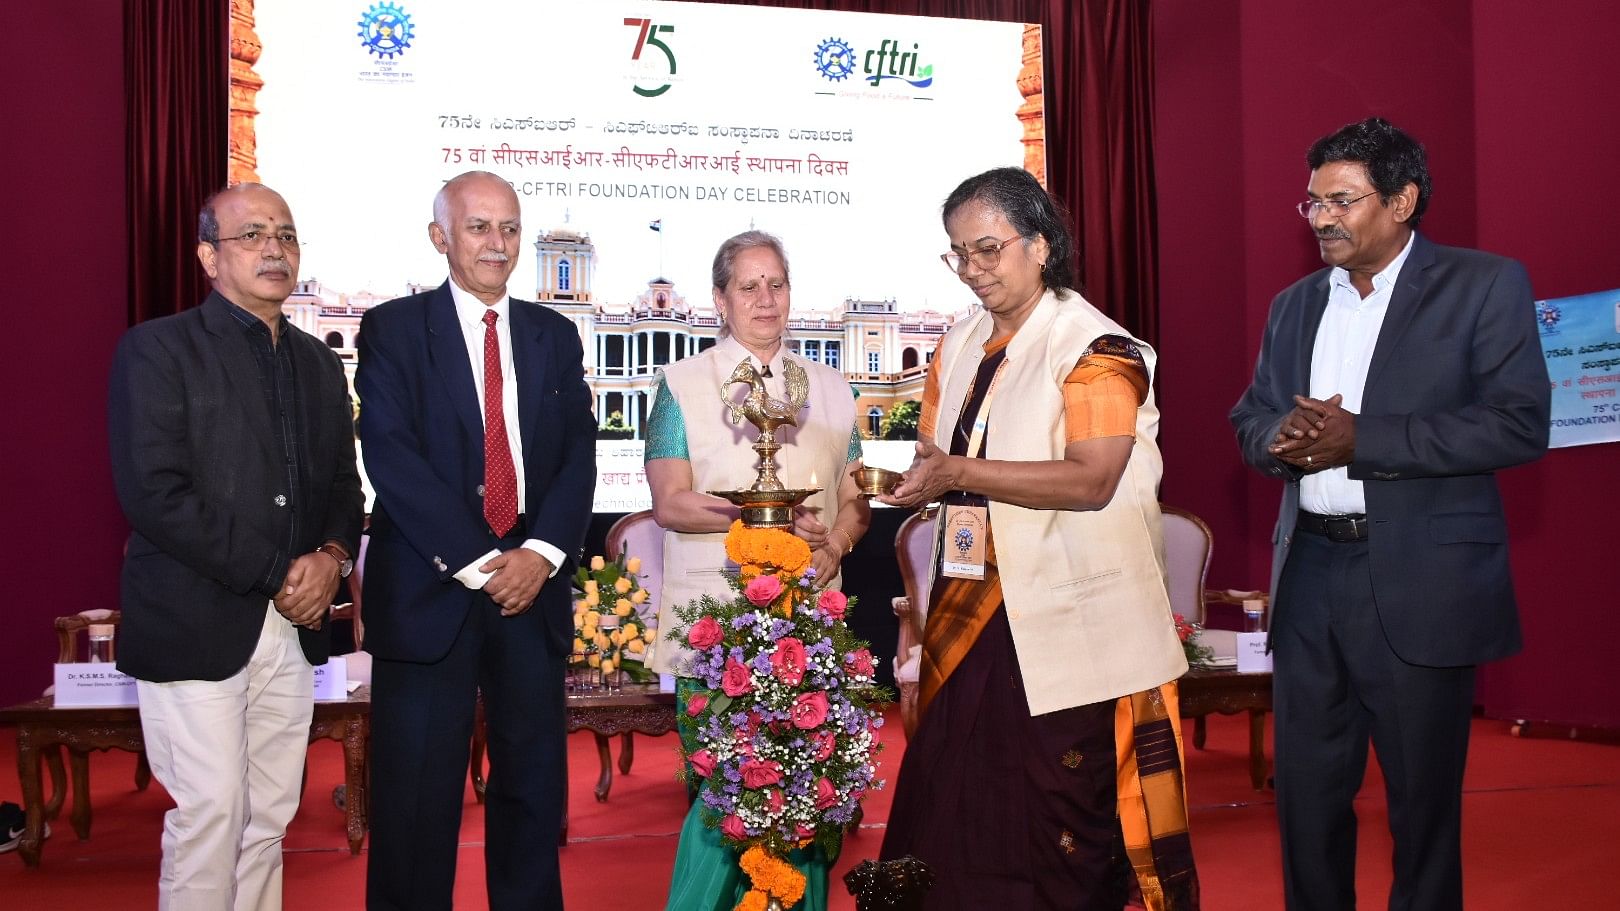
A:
{"x": 1251, "y": 654}
{"x": 332, "y": 680}
{"x": 93, "y": 685}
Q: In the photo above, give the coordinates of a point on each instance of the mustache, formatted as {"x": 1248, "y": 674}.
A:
{"x": 494, "y": 256}
{"x": 1333, "y": 234}
{"x": 273, "y": 267}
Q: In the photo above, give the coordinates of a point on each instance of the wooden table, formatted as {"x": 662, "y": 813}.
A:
{"x": 636, "y": 708}
{"x": 41, "y": 725}
{"x": 1227, "y": 692}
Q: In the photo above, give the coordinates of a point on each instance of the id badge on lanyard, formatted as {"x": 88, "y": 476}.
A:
{"x": 962, "y": 556}
{"x": 966, "y": 527}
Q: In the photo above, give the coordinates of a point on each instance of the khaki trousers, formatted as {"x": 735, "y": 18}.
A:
{"x": 231, "y": 755}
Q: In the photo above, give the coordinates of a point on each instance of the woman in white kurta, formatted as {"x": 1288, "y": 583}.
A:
{"x": 693, "y": 446}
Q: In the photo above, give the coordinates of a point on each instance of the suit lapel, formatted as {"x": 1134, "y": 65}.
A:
{"x": 1410, "y": 289}
{"x": 529, "y": 361}
{"x": 1316, "y": 299}
{"x": 311, "y": 390}
{"x": 448, "y": 349}
{"x": 240, "y": 367}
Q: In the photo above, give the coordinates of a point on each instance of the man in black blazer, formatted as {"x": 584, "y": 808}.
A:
{"x": 1390, "y": 388}
{"x": 233, "y": 457}
{"x": 477, "y": 433}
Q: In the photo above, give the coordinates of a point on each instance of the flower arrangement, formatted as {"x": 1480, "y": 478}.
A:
{"x": 785, "y": 713}
{"x": 609, "y": 633}
{"x": 1187, "y": 631}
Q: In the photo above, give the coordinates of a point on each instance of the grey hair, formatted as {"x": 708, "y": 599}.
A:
{"x": 441, "y": 200}
{"x": 208, "y": 220}
{"x": 725, "y": 259}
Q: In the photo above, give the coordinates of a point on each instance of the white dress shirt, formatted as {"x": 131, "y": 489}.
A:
{"x": 1339, "y": 362}
{"x": 470, "y": 315}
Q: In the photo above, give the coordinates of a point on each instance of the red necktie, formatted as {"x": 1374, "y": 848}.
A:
{"x": 500, "y": 478}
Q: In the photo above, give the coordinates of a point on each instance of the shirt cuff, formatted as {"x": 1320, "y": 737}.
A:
{"x": 553, "y": 555}
{"x": 470, "y": 575}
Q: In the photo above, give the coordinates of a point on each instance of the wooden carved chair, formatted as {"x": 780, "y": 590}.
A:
{"x": 69, "y": 634}
{"x": 1188, "y": 548}
{"x": 359, "y": 660}
{"x": 914, "y": 549}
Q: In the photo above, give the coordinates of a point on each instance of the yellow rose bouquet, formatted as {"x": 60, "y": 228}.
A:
{"x": 610, "y": 637}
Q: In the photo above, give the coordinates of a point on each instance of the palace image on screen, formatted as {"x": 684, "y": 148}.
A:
{"x": 638, "y": 136}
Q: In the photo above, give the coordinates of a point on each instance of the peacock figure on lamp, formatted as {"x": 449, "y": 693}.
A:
{"x": 766, "y": 504}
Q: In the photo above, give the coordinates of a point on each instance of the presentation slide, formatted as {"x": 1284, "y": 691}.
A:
{"x": 638, "y": 136}
{"x": 1580, "y": 337}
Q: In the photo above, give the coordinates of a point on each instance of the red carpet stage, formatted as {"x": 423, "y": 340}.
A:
{"x": 1542, "y": 826}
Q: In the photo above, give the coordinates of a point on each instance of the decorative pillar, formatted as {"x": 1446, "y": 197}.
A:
{"x": 245, "y": 85}
{"x": 1032, "y": 112}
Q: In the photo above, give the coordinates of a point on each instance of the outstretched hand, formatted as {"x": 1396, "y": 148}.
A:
{"x": 930, "y": 476}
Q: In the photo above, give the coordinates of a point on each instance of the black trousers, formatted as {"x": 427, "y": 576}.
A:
{"x": 1338, "y": 682}
{"x": 421, "y": 729}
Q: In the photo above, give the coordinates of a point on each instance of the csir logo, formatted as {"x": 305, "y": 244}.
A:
{"x": 647, "y": 34}
{"x": 386, "y": 30}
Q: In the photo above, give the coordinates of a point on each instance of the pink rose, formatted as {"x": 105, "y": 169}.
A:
{"x": 732, "y": 827}
{"x": 736, "y": 680}
{"x": 706, "y": 633}
{"x": 702, "y": 763}
{"x": 826, "y": 794}
{"x": 860, "y": 662}
{"x": 757, "y": 774}
{"x": 774, "y": 801}
{"x": 822, "y": 745}
{"x": 809, "y": 710}
{"x": 787, "y": 662}
{"x": 833, "y": 603}
{"x": 696, "y": 705}
{"x": 803, "y": 831}
{"x": 762, "y": 590}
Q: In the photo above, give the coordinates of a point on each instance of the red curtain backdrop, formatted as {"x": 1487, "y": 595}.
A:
{"x": 1099, "y": 148}
{"x": 176, "y": 92}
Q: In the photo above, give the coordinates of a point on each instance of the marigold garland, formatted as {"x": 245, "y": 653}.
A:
{"x": 767, "y": 547}
{"x": 772, "y": 875}
{"x": 754, "y": 900}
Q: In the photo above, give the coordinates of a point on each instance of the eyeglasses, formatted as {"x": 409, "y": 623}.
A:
{"x": 1335, "y": 207}
{"x": 986, "y": 257}
{"x": 255, "y": 241}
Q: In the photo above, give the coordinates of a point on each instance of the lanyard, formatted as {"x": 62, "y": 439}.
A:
{"x": 981, "y": 421}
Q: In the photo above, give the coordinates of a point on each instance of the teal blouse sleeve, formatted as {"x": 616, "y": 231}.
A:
{"x": 666, "y": 427}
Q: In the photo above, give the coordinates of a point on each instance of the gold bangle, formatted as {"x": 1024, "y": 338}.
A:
{"x": 847, "y": 540}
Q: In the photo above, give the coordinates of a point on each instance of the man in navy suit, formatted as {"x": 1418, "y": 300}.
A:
{"x": 1390, "y": 388}
{"x": 477, "y": 433}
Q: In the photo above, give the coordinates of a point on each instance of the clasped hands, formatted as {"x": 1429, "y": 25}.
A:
{"x": 306, "y": 594}
{"x": 518, "y": 575}
{"x": 1316, "y": 435}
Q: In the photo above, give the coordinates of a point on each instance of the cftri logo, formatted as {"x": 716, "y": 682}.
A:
{"x": 889, "y": 62}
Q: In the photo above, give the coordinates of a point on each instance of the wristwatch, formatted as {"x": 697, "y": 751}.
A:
{"x": 345, "y": 565}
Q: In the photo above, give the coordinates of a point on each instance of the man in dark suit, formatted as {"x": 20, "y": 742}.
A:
{"x": 1390, "y": 387}
{"x": 233, "y": 457}
{"x": 477, "y": 433}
